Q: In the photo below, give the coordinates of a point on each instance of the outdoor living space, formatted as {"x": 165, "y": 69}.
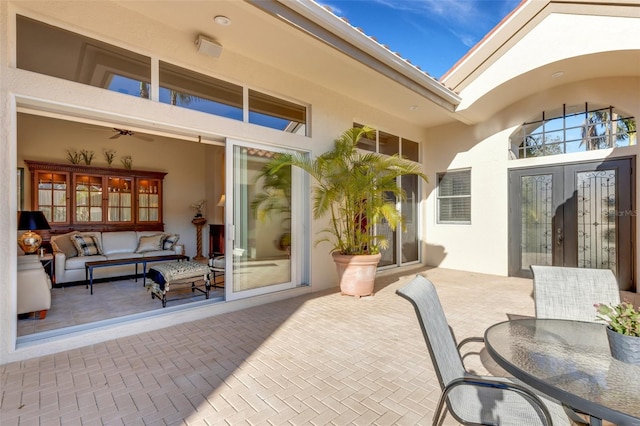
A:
{"x": 317, "y": 359}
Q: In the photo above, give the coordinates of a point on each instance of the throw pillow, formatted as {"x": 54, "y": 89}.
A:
{"x": 170, "y": 241}
{"x": 150, "y": 243}
{"x": 63, "y": 244}
{"x": 86, "y": 245}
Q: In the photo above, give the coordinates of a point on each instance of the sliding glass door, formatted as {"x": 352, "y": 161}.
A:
{"x": 261, "y": 222}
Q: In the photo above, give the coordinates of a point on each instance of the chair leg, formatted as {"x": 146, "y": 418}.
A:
{"x": 43, "y": 314}
{"x": 438, "y": 413}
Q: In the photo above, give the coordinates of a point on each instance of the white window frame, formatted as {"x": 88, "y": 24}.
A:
{"x": 440, "y": 197}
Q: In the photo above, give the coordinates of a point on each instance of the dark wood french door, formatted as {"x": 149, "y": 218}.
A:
{"x": 578, "y": 215}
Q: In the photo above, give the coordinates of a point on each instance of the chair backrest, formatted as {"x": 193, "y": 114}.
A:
{"x": 570, "y": 293}
{"x": 440, "y": 342}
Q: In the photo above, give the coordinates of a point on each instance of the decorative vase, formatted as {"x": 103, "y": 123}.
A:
{"x": 357, "y": 273}
{"x": 624, "y": 348}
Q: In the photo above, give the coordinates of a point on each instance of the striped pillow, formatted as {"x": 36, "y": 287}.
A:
{"x": 86, "y": 245}
{"x": 170, "y": 241}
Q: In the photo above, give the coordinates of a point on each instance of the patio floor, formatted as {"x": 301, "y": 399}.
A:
{"x": 319, "y": 359}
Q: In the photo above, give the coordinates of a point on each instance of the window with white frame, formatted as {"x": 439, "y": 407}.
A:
{"x": 454, "y": 197}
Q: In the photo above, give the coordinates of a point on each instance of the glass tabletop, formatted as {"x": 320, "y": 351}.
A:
{"x": 570, "y": 361}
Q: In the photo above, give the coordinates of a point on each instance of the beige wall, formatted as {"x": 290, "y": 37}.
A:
{"x": 482, "y": 246}
{"x": 194, "y": 170}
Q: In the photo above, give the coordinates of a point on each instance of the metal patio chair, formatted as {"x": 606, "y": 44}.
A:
{"x": 472, "y": 399}
{"x": 570, "y": 293}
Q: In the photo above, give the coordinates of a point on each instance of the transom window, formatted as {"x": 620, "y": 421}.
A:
{"x": 56, "y": 52}
{"x": 388, "y": 144}
{"x": 574, "y": 129}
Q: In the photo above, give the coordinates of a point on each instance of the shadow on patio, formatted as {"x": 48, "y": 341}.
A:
{"x": 315, "y": 359}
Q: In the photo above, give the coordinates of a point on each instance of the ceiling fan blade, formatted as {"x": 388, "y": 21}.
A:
{"x": 115, "y": 136}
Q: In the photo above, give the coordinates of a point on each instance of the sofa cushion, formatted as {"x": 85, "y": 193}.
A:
{"x": 87, "y": 245}
{"x": 63, "y": 244}
{"x": 150, "y": 243}
{"x": 170, "y": 241}
{"x": 117, "y": 256}
{"x": 119, "y": 242}
{"x": 78, "y": 262}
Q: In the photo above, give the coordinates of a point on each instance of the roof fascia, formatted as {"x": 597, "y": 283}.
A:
{"x": 321, "y": 24}
{"x": 515, "y": 25}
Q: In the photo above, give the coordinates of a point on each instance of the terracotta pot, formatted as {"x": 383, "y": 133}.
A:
{"x": 357, "y": 273}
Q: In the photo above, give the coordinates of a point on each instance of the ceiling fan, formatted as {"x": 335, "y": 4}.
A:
{"x": 126, "y": 132}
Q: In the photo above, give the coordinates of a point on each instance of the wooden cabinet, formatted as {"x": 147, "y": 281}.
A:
{"x": 74, "y": 196}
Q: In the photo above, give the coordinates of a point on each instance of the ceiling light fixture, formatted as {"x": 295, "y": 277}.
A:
{"x": 413, "y": 107}
{"x": 557, "y": 74}
{"x": 222, "y": 20}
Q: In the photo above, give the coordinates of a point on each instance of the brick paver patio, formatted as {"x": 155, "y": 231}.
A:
{"x": 320, "y": 359}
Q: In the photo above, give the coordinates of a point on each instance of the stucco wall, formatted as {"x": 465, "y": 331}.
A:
{"x": 482, "y": 246}
{"x": 174, "y": 149}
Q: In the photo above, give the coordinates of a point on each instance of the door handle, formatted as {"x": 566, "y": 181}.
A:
{"x": 559, "y": 237}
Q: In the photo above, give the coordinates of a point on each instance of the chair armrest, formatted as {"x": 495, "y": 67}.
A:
{"x": 497, "y": 383}
{"x": 34, "y": 290}
{"x": 468, "y": 340}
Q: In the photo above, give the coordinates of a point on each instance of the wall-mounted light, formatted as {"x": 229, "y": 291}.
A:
{"x": 208, "y": 47}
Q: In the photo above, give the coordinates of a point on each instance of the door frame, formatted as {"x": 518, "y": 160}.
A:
{"x": 299, "y": 254}
{"x": 564, "y": 252}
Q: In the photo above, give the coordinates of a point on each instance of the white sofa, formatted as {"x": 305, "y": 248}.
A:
{"x": 113, "y": 245}
{"x": 34, "y": 286}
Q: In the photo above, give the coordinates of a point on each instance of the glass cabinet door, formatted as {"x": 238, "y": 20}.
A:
{"x": 88, "y": 194}
{"x": 149, "y": 200}
{"x": 119, "y": 201}
{"x": 52, "y": 194}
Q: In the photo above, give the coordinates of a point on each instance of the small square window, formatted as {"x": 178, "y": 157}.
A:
{"x": 454, "y": 197}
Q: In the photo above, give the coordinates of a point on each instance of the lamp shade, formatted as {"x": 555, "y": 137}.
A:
{"x": 221, "y": 202}
{"x": 29, "y": 242}
{"x": 31, "y": 221}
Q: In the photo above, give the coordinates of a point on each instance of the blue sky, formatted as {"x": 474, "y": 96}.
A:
{"x": 432, "y": 34}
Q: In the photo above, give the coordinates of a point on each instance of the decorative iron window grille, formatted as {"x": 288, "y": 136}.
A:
{"x": 574, "y": 131}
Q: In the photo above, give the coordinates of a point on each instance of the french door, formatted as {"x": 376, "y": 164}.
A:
{"x": 261, "y": 238}
{"x": 577, "y": 215}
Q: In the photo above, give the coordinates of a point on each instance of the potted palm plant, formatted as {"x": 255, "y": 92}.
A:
{"x": 357, "y": 190}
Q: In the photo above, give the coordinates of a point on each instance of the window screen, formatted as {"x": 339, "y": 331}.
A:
{"x": 454, "y": 197}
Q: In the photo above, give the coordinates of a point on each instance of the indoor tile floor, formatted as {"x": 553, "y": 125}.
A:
{"x": 318, "y": 359}
{"x": 74, "y": 305}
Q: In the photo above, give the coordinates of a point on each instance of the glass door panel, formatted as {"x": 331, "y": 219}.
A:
{"x": 260, "y": 250}
{"x": 536, "y": 212}
{"x": 52, "y": 196}
{"x": 119, "y": 201}
{"x": 409, "y": 241}
{"x": 88, "y": 193}
{"x": 403, "y": 243}
{"x": 148, "y": 200}
{"x": 596, "y": 219}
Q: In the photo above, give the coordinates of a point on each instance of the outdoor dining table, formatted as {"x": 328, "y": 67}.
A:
{"x": 571, "y": 362}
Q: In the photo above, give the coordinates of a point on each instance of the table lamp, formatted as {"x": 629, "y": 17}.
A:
{"x": 30, "y": 242}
